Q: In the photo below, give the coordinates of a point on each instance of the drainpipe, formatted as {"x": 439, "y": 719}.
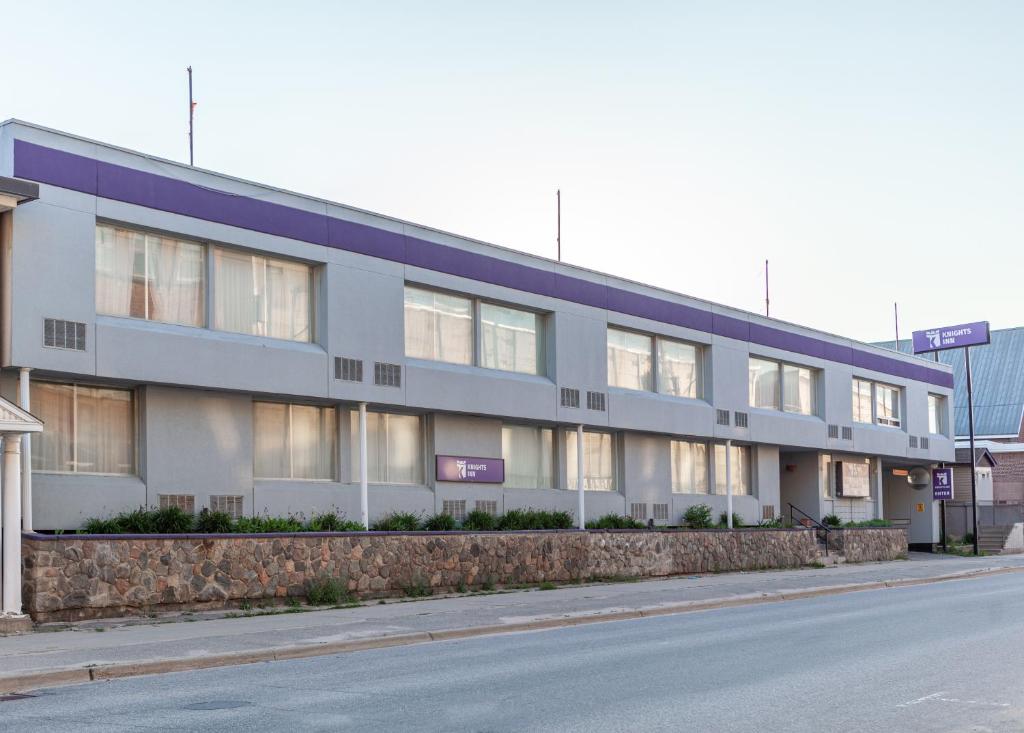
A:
{"x": 728, "y": 483}
{"x": 364, "y": 497}
{"x": 26, "y": 454}
{"x": 579, "y": 477}
{"x": 11, "y": 480}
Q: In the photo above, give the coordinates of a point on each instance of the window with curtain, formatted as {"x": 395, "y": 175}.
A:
{"x": 936, "y": 414}
{"x": 528, "y": 453}
{"x": 689, "y": 467}
{"x": 679, "y": 367}
{"x": 294, "y": 441}
{"x": 262, "y": 296}
{"x": 85, "y": 429}
{"x": 598, "y": 461}
{"x": 798, "y": 390}
{"x": 740, "y": 468}
{"x": 438, "y": 326}
{"x": 629, "y": 360}
{"x": 394, "y": 448}
{"x": 862, "y": 401}
{"x": 509, "y": 339}
{"x": 140, "y": 275}
{"x": 764, "y": 383}
{"x": 887, "y": 405}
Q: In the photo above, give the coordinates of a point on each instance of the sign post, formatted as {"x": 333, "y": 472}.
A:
{"x": 963, "y": 337}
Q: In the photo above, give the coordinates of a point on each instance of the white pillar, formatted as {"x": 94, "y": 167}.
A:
{"x": 879, "y": 488}
{"x": 11, "y": 480}
{"x": 26, "y": 454}
{"x": 364, "y": 496}
{"x": 728, "y": 483}
{"x": 579, "y": 478}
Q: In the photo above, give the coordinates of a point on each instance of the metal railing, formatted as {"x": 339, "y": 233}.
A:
{"x": 820, "y": 530}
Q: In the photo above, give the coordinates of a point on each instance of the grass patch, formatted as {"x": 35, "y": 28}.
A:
{"x": 546, "y": 586}
{"x": 615, "y": 521}
{"x": 325, "y": 591}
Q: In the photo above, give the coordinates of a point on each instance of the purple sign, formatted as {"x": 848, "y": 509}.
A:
{"x": 471, "y": 470}
{"x": 942, "y": 484}
{"x": 951, "y": 337}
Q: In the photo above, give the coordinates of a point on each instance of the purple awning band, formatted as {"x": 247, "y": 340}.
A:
{"x": 119, "y": 183}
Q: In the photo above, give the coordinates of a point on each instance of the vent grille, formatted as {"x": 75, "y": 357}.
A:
{"x": 913, "y": 441}
{"x": 740, "y": 419}
{"x": 660, "y": 512}
{"x": 185, "y": 502}
{"x": 723, "y": 417}
{"x": 387, "y": 375}
{"x": 768, "y": 511}
{"x": 595, "y": 401}
{"x": 570, "y": 397}
{"x": 59, "y": 334}
{"x": 454, "y": 508}
{"x": 638, "y": 512}
{"x": 924, "y": 442}
{"x": 487, "y": 505}
{"x": 833, "y": 432}
{"x": 348, "y": 370}
{"x": 847, "y": 432}
{"x": 230, "y": 505}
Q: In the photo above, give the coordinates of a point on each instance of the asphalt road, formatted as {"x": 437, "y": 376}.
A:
{"x": 942, "y": 657}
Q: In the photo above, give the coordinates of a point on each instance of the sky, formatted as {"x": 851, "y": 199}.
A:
{"x": 871, "y": 151}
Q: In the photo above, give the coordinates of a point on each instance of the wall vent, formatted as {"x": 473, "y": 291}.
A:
{"x": 768, "y": 511}
{"x": 570, "y": 397}
{"x": 454, "y": 508}
{"x": 233, "y": 506}
{"x": 833, "y": 432}
{"x": 348, "y": 370}
{"x": 924, "y": 443}
{"x": 847, "y": 432}
{"x": 913, "y": 441}
{"x": 740, "y": 419}
{"x": 723, "y": 417}
{"x": 660, "y": 512}
{"x": 59, "y": 334}
{"x": 638, "y": 512}
{"x": 387, "y": 375}
{"x": 489, "y": 506}
{"x": 185, "y": 502}
{"x": 596, "y": 401}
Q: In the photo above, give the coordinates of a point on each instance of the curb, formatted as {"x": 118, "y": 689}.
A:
{"x": 79, "y": 675}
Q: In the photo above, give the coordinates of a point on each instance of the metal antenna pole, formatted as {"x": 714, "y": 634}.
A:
{"x": 191, "y": 110}
{"x": 558, "y": 235}
{"x": 896, "y": 315}
{"x": 970, "y": 421}
{"x": 766, "y": 301}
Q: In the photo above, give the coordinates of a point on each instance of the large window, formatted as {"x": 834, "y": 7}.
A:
{"x": 862, "y": 401}
{"x": 629, "y": 360}
{"x": 529, "y": 456}
{"x": 262, "y": 296}
{"x": 648, "y": 363}
{"x": 764, "y": 383}
{"x": 394, "y": 448}
{"x": 937, "y": 414}
{"x": 679, "y": 366}
{"x": 294, "y": 441}
{"x": 598, "y": 461}
{"x": 148, "y": 276}
{"x": 85, "y": 429}
{"x": 509, "y": 339}
{"x": 689, "y": 467}
{"x": 874, "y": 402}
{"x": 776, "y": 385}
{"x": 438, "y": 326}
{"x": 739, "y": 469}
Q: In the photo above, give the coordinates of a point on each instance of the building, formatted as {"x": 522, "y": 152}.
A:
{"x": 194, "y": 339}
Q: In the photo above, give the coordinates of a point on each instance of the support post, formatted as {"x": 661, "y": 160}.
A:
{"x": 364, "y": 496}
{"x": 974, "y": 470}
{"x": 11, "y": 481}
{"x": 728, "y": 483}
{"x": 879, "y": 488}
{"x": 26, "y": 454}
{"x": 582, "y": 522}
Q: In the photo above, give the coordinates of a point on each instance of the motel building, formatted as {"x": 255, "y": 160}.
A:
{"x": 188, "y": 338}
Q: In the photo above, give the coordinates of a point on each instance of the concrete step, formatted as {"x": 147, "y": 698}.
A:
{"x": 993, "y": 539}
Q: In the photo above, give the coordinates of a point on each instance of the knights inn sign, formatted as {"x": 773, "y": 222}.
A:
{"x": 471, "y": 470}
{"x": 951, "y": 337}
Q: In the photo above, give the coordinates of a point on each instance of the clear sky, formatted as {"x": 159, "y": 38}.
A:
{"x": 873, "y": 151}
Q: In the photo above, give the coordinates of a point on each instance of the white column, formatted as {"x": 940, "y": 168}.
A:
{"x": 879, "y": 488}
{"x": 11, "y": 480}
{"x": 364, "y": 496}
{"x": 579, "y": 478}
{"x": 26, "y": 454}
{"x": 728, "y": 483}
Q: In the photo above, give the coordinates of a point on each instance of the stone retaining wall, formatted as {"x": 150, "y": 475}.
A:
{"x": 70, "y": 577}
{"x": 865, "y": 544}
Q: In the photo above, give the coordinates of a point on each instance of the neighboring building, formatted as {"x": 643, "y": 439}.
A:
{"x": 198, "y": 340}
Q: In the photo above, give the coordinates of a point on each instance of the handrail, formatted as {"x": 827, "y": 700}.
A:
{"x": 819, "y": 527}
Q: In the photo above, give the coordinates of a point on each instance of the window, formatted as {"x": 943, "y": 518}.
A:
{"x": 262, "y": 296}
{"x": 678, "y": 368}
{"x": 148, "y": 276}
{"x": 629, "y": 360}
{"x": 598, "y": 461}
{"x": 689, "y": 467}
{"x": 86, "y": 429}
{"x": 394, "y": 448}
{"x": 798, "y": 390}
{"x": 529, "y": 456}
{"x": 509, "y": 339}
{"x": 862, "y": 401}
{"x": 936, "y": 414}
{"x": 887, "y": 405}
{"x": 740, "y": 469}
{"x": 776, "y": 385}
{"x": 438, "y": 326}
{"x": 764, "y": 383}
{"x": 294, "y": 441}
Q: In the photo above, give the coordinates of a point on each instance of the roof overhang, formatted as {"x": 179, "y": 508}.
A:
{"x": 13, "y": 419}
{"x": 14, "y": 191}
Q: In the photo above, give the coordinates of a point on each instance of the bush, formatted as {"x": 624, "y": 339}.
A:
{"x": 831, "y": 520}
{"x": 325, "y": 591}
{"x": 517, "y": 519}
{"x": 137, "y": 521}
{"x": 172, "y": 520}
{"x": 698, "y": 516}
{"x": 723, "y": 520}
{"x": 869, "y": 523}
{"x": 333, "y": 522}
{"x": 615, "y": 521}
{"x": 439, "y": 523}
{"x": 101, "y": 526}
{"x": 397, "y": 522}
{"x": 773, "y": 523}
{"x": 213, "y": 522}
{"x": 479, "y": 521}
{"x": 256, "y": 525}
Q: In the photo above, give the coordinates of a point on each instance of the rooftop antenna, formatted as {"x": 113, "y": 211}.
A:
{"x": 896, "y": 316}
{"x": 191, "y": 114}
{"x": 766, "y": 301}
{"x": 558, "y": 235}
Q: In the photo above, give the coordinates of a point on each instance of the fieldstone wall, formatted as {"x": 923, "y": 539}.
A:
{"x": 69, "y": 577}
{"x": 864, "y": 544}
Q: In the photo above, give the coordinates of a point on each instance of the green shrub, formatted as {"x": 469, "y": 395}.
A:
{"x": 333, "y": 522}
{"x": 94, "y": 525}
{"x": 137, "y": 521}
{"x": 773, "y": 523}
{"x": 698, "y": 516}
{"x": 263, "y": 524}
{"x": 172, "y": 520}
{"x": 213, "y": 522}
{"x": 723, "y": 520}
{"x": 831, "y": 520}
{"x": 439, "y": 523}
{"x": 325, "y": 591}
{"x": 479, "y": 521}
{"x": 516, "y": 519}
{"x": 546, "y": 585}
{"x": 869, "y": 523}
{"x": 397, "y": 522}
{"x": 615, "y": 521}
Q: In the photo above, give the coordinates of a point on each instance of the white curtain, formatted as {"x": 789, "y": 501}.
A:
{"x": 689, "y": 467}
{"x": 629, "y": 360}
{"x": 678, "y": 368}
{"x": 740, "y": 469}
{"x": 262, "y": 296}
{"x": 508, "y": 339}
{"x": 288, "y": 300}
{"x": 116, "y": 251}
{"x": 312, "y": 442}
{"x": 598, "y": 461}
{"x": 270, "y": 440}
{"x": 764, "y": 383}
{"x": 175, "y": 281}
{"x": 394, "y": 448}
{"x": 86, "y": 429}
{"x": 528, "y": 453}
{"x": 798, "y": 389}
{"x": 438, "y": 326}
{"x": 54, "y": 404}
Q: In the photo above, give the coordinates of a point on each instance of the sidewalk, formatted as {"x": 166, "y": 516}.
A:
{"x": 118, "y": 648}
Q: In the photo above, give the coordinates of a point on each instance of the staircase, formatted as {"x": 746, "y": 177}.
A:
{"x": 991, "y": 540}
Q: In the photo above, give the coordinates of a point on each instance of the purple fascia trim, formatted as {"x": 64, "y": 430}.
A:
{"x": 119, "y": 183}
